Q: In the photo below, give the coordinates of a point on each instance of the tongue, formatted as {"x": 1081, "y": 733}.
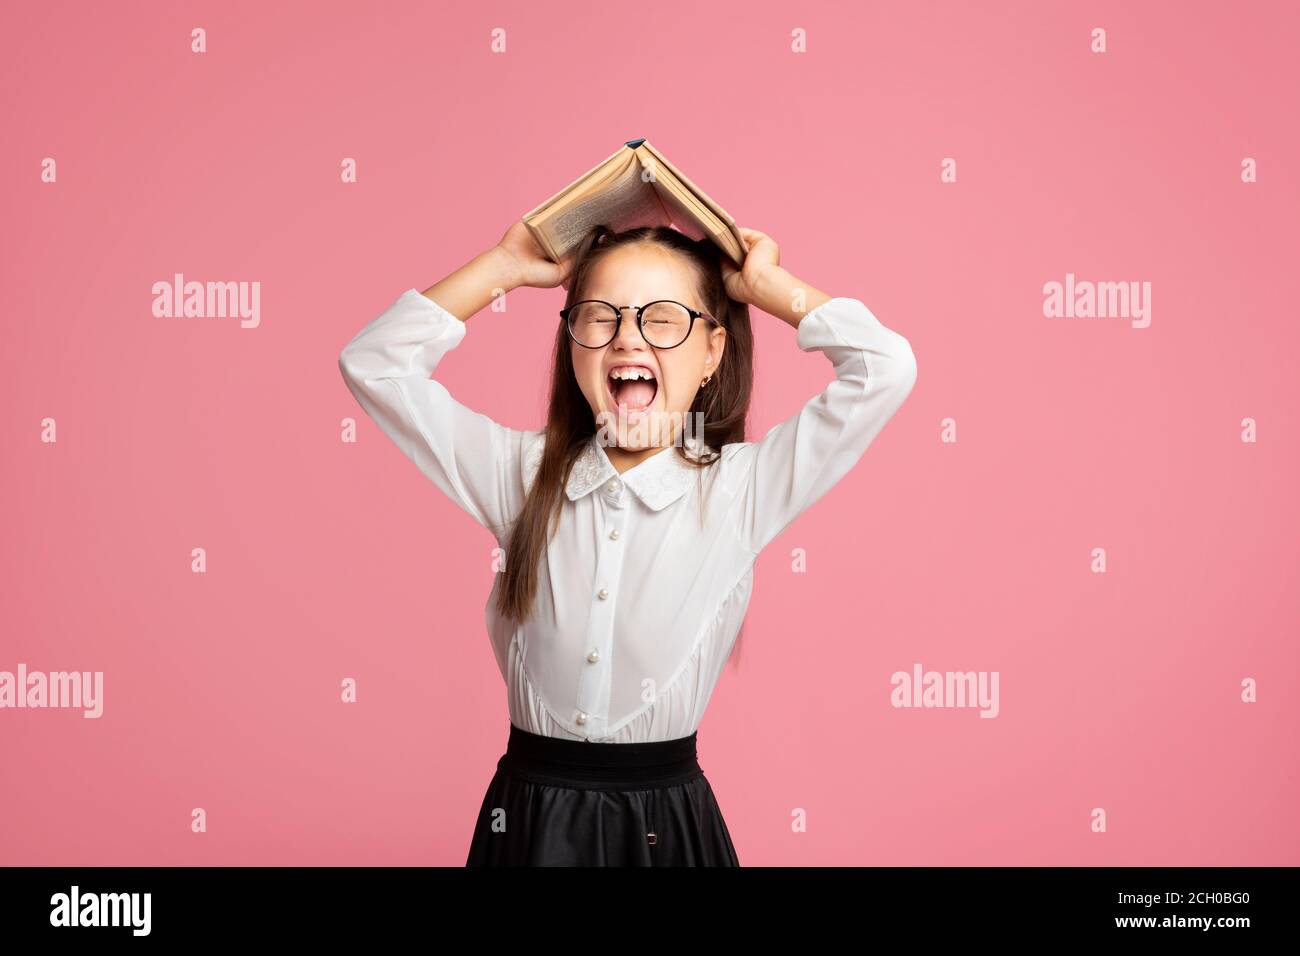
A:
{"x": 637, "y": 393}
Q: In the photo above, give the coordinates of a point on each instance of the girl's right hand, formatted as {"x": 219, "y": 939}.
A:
{"x": 530, "y": 266}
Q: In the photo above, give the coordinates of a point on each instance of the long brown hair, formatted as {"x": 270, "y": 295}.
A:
{"x": 724, "y": 403}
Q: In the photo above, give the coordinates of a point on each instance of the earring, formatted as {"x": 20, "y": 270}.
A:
{"x": 706, "y": 381}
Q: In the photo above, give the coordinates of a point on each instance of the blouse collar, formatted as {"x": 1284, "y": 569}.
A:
{"x": 658, "y": 480}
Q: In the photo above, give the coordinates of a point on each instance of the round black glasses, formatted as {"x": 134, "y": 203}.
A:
{"x": 664, "y": 324}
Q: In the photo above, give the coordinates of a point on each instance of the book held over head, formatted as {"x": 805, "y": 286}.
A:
{"x": 636, "y": 186}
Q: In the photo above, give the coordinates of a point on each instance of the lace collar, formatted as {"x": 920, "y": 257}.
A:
{"x": 658, "y": 481}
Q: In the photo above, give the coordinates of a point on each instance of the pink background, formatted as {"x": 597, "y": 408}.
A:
{"x": 329, "y": 560}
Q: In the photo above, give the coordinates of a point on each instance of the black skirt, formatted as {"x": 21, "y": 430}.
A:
{"x": 559, "y": 802}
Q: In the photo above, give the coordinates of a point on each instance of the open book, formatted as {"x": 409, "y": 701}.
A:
{"x": 636, "y": 186}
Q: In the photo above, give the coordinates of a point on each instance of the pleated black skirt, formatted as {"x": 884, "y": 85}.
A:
{"x": 558, "y": 802}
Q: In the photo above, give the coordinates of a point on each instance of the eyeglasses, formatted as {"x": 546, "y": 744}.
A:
{"x": 664, "y": 324}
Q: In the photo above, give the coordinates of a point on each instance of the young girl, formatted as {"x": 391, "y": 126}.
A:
{"x": 631, "y": 521}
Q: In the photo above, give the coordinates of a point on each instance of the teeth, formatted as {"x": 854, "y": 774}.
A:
{"x": 629, "y": 374}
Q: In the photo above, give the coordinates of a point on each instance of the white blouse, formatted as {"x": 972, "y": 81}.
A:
{"x": 643, "y": 589}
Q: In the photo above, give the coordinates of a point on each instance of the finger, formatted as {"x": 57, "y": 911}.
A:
{"x": 762, "y": 247}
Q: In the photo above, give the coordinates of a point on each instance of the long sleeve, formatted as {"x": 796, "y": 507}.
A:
{"x": 472, "y": 459}
{"x": 800, "y": 459}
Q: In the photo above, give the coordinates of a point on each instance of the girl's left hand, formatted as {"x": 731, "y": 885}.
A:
{"x": 743, "y": 284}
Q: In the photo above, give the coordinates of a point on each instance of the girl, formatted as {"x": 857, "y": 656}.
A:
{"x": 631, "y": 521}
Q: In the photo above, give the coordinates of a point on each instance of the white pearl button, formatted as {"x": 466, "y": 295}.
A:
{"x": 614, "y": 534}
{"x": 582, "y": 718}
{"x": 602, "y": 594}
{"x": 593, "y": 656}
{"x": 613, "y": 486}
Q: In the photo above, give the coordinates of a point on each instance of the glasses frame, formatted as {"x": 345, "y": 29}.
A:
{"x": 640, "y": 311}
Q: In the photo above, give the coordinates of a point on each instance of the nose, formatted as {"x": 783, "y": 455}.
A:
{"x": 629, "y": 336}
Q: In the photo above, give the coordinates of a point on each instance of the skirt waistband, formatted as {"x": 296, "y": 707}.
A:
{"x": 590, "y": 765}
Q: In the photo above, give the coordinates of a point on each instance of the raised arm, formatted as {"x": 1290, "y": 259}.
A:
{"x": 800, "y": 459}
{"x": 472, "y": 459}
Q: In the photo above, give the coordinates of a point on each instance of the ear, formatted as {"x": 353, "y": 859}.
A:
{"x": 717, "y": 349}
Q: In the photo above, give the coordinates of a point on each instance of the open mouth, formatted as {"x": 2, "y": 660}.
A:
{"x": 632, "y": 388}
